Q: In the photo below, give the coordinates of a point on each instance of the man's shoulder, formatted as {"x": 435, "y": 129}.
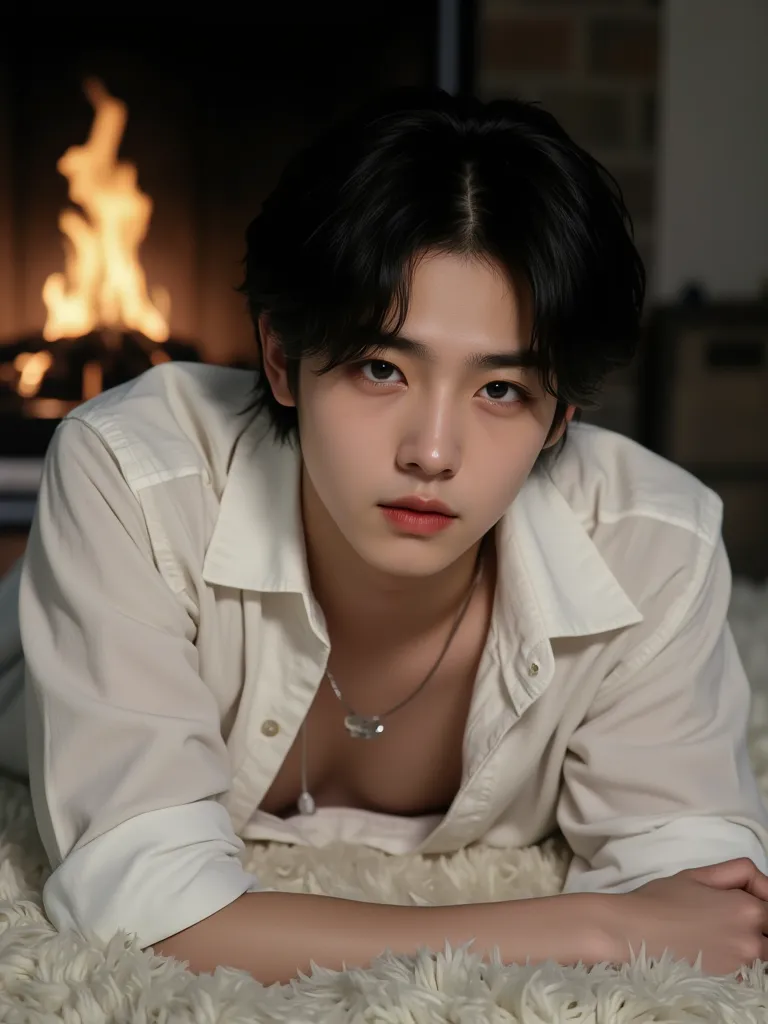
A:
{"x": 607, "y": 478}
{"x": 174, "y": 419}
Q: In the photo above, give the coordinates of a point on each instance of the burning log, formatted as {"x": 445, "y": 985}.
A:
{"x": 76, "y": 369}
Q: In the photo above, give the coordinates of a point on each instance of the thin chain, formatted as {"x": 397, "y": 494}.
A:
{"x": 306, "y": 803}
{"x": 459, "y": 619}
{"x": 304, "y": 790}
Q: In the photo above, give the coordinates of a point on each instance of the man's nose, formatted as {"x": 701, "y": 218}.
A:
{"x": 430, "y": 441}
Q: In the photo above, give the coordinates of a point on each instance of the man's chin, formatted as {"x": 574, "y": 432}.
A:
{"x": 407, "y": 557}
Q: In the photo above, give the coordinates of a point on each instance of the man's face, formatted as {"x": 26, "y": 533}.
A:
{"x": 434, "y": 423}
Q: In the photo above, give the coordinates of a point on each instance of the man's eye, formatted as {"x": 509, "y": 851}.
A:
{"x": 379, "y": 371}
{"x": 503, "y": 392}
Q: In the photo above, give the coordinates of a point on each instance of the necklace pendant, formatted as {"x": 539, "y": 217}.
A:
{"x": 306, "y": 804}
{"x": 360, "y": 727}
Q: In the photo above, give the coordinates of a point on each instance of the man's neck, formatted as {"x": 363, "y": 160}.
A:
{"x": 360, "y": 600}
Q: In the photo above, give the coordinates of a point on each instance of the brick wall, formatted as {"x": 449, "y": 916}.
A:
{"x": 592, "y": 63}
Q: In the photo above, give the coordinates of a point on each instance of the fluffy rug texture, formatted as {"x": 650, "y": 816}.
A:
{"x": 46, "y": 977}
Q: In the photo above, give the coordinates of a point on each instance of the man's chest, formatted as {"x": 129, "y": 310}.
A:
{"x": 414, "y": 767}
{"x": 421, "y": 692}
{"x": 444, "y": 748}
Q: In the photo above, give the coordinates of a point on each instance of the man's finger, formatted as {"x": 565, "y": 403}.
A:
{"x": 739, "y": 873}
{"x": 757, "y": 885}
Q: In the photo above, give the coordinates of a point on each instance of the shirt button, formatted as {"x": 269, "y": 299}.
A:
{"x": 533, "y": 669}
{"x": 270, "y": 727}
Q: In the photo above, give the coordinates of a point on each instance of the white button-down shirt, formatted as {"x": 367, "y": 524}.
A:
{"x": 172, "y": 647}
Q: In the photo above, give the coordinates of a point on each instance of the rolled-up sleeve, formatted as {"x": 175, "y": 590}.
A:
{"x": 126, "y": 756}
{"x": 657, "y": 778}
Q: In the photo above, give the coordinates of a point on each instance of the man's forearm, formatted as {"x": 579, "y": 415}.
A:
{"x": 274, "y": 935}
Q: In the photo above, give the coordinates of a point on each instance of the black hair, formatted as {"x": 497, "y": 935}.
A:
{"x": 329, "y": 256}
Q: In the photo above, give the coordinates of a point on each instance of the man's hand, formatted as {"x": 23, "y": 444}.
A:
{"x": 720, "y": 911}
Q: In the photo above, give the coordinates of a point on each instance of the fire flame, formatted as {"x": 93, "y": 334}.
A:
{"x": 32, "y": 367}
{"x": 103, "y": 285}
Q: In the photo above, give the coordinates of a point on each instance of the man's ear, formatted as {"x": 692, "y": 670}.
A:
{"x": 274, "y": 363}
{"x": 569, "y": 413}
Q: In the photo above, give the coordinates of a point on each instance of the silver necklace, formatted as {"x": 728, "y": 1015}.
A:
{"x": 367, "y": 727}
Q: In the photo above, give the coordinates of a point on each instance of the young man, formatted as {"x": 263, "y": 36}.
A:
{"x": 385, "y": 599}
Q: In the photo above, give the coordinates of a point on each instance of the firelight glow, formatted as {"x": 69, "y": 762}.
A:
{"x": 103, "y": 285}
{"x": 32, "y": 367}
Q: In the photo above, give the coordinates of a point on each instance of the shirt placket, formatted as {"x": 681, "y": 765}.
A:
{"x": 273, "y": 723}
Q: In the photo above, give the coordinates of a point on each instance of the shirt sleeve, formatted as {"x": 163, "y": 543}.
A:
{"x": 126, "y": 756}
{"x": 657, "y": 778}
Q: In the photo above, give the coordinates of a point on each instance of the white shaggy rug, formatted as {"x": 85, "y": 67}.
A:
{"x": 45, "y": 977}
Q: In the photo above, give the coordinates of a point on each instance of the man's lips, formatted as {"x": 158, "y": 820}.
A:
{"x": 427, "y": 506}
{"x": 424, "y": 520}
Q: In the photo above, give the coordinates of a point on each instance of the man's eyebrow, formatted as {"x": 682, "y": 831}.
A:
{"x": 526, "y": 359}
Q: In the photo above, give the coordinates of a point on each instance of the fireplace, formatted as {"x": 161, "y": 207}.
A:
{"x": 133, "y": 153}
{"x": 102, "y": 324}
